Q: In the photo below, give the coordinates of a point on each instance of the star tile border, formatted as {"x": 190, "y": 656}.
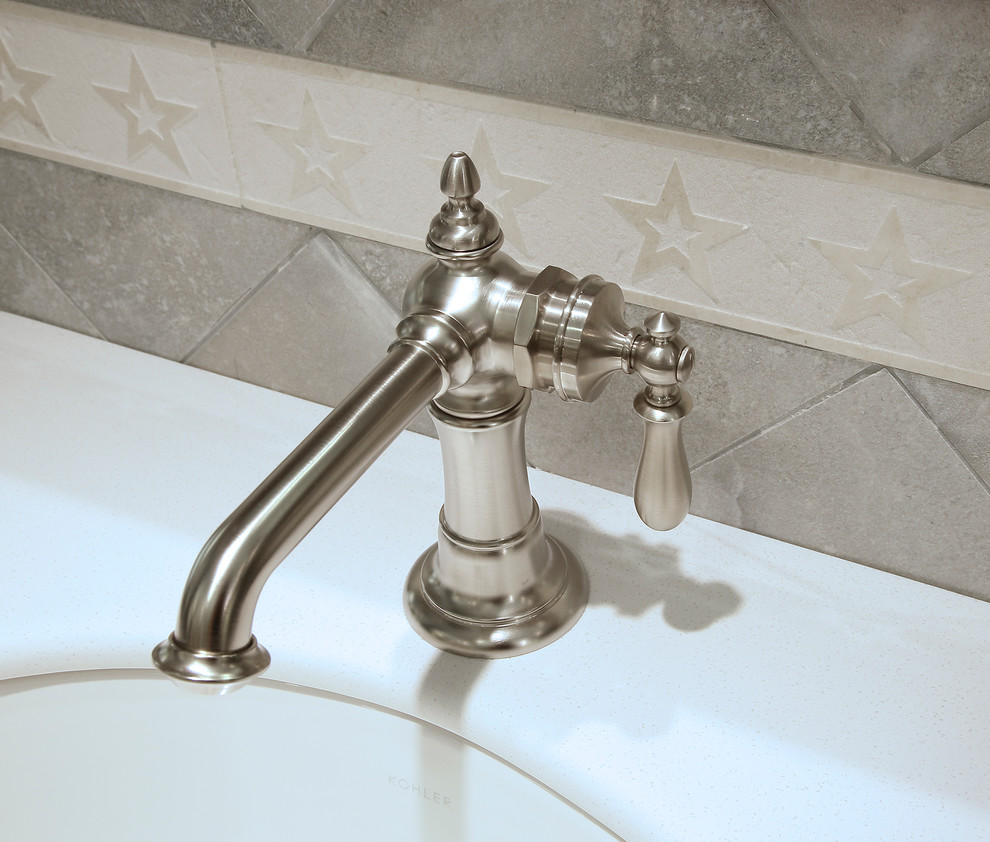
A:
{"x": 320, "y": 160}
{"x": 655, "y": 254}
{"x": 513, "y": 191}
{"x": 18, "y": 87}
{"x": 864, "y": 298}
{"x": 151, "y": 121}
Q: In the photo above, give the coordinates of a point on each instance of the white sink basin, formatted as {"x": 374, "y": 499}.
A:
{"x": 122, "y": 755}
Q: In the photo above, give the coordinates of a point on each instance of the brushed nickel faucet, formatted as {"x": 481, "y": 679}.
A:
{"x": 478, "y": 333}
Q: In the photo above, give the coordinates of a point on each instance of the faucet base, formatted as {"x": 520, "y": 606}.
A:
{"x": 210, "y": 673}
{"x": 512, "y": 625}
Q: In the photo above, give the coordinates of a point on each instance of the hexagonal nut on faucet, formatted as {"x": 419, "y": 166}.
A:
{"x": 534, "y": 334}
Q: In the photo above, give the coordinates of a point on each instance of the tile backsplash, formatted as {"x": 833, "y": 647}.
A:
{"x": 861, "y": 458}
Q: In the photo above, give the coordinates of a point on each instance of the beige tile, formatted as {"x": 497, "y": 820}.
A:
{"x": 863, "y": 475}
{"x": 865, "y": 261}
{"x": 117, "y": 99}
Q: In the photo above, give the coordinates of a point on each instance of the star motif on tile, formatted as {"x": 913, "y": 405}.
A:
{"x": 320, "y": 159}
{"x": 17, "y": 89}
{"x": 511, "y": 191}
{"x": 674, "y": 235}
{"x": 885, "y": 281}
{"x": 151, "y": 122}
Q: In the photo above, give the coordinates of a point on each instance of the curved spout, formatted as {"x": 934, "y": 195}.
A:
{"x": 212, "y": 643}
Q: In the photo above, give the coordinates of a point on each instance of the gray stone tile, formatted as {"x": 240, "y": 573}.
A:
{"x": 960, "y": 412}
{"x": 917, "y": 69}
{"x": 26, "y": 290}
{"x": 863, "y": 475}
{"x": 313, "y": 330}
{"x": 966, "y": 159}
{"x": 741, "y": 383}
{"x": 231, "y": 21}
{"x": 293, "y": 24}
{"x": 389, "y": 268}
{"x": 728, "y": 68}
{"x": 151, "y": 269}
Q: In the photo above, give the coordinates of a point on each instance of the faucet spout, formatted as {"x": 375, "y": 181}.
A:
{"x": 213, "y": 645}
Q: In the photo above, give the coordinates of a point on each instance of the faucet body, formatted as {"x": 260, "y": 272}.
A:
{"x": 477, "y": 334}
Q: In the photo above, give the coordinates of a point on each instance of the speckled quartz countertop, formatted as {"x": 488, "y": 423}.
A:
{"x": 720, "y": 685}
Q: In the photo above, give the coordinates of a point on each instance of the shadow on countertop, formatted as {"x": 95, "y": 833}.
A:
{"x": 634, "y": 575}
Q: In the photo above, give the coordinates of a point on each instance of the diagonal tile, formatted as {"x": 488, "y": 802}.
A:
{"x": 728, "y": 68}
{"x": 151, "y": 269}
{"x": 916, "y": 69}
{"x": 26, "y": 290}
{"x": 961, "y": 413}
{"x": 866, "y": 476}
{"x": 313, "y": 330}
{"x": 965, "y": 159}
{"x": 291, "y": 23}
{"x": 389, "y": 268}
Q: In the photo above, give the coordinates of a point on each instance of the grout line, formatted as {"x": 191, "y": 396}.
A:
{"x": 55, "y": 283}
{"x": 921, "y": 408}
{"x": 830, "y": 79}
{"x": 873, "y": 130}
{"x": 222, "y": 89}
{"x": 801, "y": 409}
{"x": 359, "y": 269}
{"x": 314, "y": 31}
{"x": 977, "y": 119}
{"x": 261, "y": 23}
{"x": 241, "y": 302}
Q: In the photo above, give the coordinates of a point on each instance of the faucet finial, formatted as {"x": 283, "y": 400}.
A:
{"x": 459, "y": 178}
{"x": 464, "y": 228}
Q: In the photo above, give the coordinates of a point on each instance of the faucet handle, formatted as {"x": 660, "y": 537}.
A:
{"x": 663, "y": 480}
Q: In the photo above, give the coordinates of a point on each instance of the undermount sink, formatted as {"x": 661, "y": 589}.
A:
{"x": 133, "y": 758}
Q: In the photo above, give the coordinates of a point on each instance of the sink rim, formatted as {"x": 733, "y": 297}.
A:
{"x": 38, "y": 681}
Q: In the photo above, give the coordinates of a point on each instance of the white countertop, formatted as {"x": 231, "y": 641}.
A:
{"x": 721, "y": 685}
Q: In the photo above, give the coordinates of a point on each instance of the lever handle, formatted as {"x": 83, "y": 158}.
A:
{"x": 663, "y": 480}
